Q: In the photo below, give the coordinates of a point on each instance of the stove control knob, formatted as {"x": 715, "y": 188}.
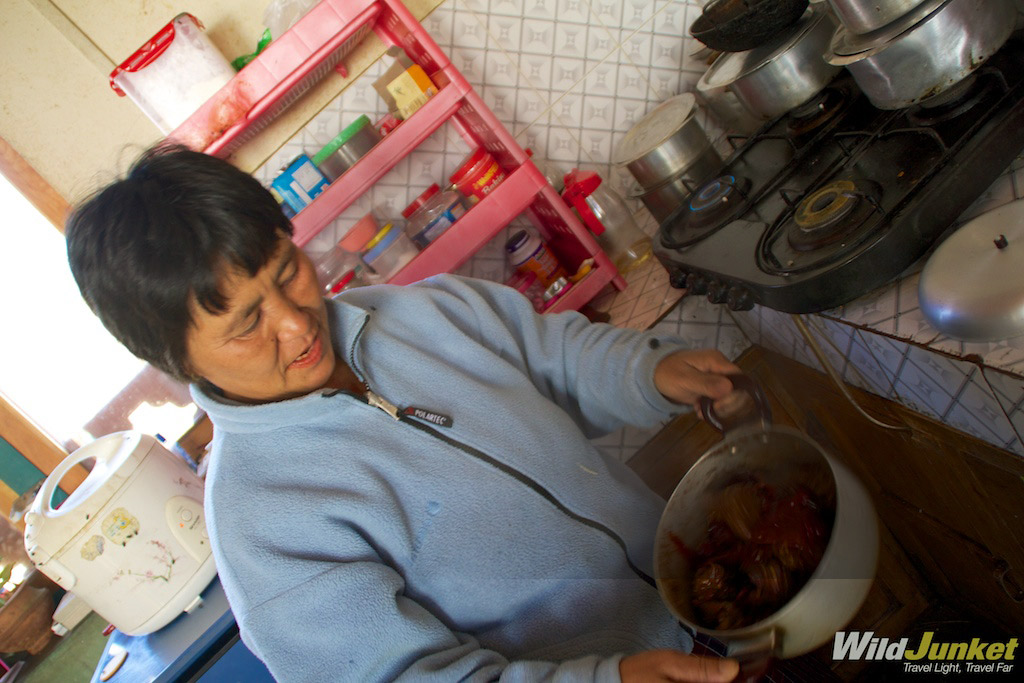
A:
{"x": 739, "y": 299}
{"x": 677, "y": 278}
{"x": 696, "y": 284}
{"x": 717, "y": 292}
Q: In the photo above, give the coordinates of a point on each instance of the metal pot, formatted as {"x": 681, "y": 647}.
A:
{"x": 665, "y": 143}
{"x": 924, "y": 53}
{"x": 779, "y": 456}
{"x": 667, "y": 196}
{"x": 781, "y": 75}
{"x": 865, "y": 16}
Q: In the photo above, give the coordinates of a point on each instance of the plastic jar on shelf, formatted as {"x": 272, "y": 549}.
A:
{"x": 528, "y": 253}
{"x": 478, "y": 175}
{"x": 388, "y": 252}
{"x": 350, "y": 145}
{"x": 432, "y": 213}
{"x": 606, "y": 215}
{"x": 333, "y": 266}
{"x": 173, "y": 73}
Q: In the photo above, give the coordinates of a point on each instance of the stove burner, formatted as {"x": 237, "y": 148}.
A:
{"x": 829, "y": 214}
{"x": 951, "y": 103}
{"x": 713, "y": 194}
{"x": 817, "y": 112}
{"x": 711, "y": 206}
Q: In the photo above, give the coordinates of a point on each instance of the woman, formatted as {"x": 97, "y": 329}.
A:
{"x": 401, "y": 484}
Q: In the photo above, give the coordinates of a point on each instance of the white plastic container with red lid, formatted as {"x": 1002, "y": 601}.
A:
{"x": 173, "y": 73}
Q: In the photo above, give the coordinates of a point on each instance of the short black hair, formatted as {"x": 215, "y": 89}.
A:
{"x": 142, "y": 247}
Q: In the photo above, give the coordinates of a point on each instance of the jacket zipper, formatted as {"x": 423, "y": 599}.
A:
{"x": 378, "y": 401}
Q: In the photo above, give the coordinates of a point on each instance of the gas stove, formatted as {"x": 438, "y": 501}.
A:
{"x": 836, "y": 198}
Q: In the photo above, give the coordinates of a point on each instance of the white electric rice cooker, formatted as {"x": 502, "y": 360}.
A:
{"x": 131, "y": 539}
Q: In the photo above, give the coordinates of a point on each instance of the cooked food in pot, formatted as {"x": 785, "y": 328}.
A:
{"x": 762, "y": 545}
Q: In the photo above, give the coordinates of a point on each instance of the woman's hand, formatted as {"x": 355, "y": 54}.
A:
{"x": 678, "y": 667}
{"x": 685, "y": 376}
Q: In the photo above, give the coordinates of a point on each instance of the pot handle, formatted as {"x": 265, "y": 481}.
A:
{"x": 754, "y": 654}
{"x": 746, "y": 405}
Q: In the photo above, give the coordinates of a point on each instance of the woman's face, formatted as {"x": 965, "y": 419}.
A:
{"x": 272, "y": 342}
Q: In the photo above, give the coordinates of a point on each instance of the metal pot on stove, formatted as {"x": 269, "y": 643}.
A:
{"x": 925, "y": 52}
{"x": 667, "y": 142}
{"x": 779, "y": 457}
{"x": 780, "y": 75}
{"x": 865, "y": 16}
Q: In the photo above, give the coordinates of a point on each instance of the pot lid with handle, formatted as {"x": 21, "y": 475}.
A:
{"x": 972, "y": 287}
{"x": 657, "y": 126}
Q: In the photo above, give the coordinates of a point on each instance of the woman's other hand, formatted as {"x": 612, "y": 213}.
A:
{"x": 678, "y": 667}
{"x": 685, "y": 376}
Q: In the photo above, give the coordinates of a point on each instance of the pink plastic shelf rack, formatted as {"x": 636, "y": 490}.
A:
{"x": 314, "y": 46}
{"x": 524, "y": 189}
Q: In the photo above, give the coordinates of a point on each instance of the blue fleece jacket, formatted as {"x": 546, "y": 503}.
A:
{"x": 354, "y": 546}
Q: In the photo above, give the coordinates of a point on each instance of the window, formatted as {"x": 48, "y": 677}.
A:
{"x": 58, "y": 363}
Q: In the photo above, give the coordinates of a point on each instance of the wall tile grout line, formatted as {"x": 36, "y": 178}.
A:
{"x": 999, "y": 403}
{"x": 959, "y": 393}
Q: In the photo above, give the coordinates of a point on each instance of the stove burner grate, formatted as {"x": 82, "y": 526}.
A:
{"x": 817, "y": 112}
{"x": 954, "y": 102}
{"x": 826, "y": 225}
{"x": 710, "y": 207}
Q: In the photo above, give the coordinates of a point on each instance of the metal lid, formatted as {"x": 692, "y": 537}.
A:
{"x": 847, "y": 47}
{"x": 732, "y": 66}
{"x": 972, "y": 287}
{"x": 657, "y": 126}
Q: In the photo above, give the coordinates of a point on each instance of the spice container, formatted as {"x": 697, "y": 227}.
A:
{"x": 528, "y": 253}
{"x": 554, "y": 292}
{"x": 527, "y": 284}
{"x": 388, "y": 252}
{"x": 478, "y": 175}
{"x": 351, "y": 144}
{"x": 299, "y": 183}
{"x": 173, "y": 73}
{"x": 333, "y": 266}
{"x": 350, "y": 280}
{"x": 432, "y": 213}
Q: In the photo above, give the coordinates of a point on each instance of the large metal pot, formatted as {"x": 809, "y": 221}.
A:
{"x": 924, "y": 53}
{"x": 665, "y": 143}
{"x": 865, "y": 16}
{"x": 778, "y": 456}
{"x": 667, "y": 196}
{"x": 776, "y": 77}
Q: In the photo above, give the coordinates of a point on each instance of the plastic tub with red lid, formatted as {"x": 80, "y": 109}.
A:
{"x": 173, "y": 73}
